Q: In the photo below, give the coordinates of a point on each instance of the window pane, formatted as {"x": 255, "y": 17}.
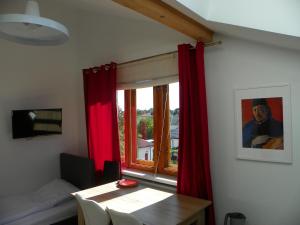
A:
{"x": 144, "y": 120}
{"x": 120, "y": 99}
{"x": 174, "y": 122}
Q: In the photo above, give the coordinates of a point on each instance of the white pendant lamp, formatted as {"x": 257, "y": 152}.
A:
{"x": 31, "y": 29}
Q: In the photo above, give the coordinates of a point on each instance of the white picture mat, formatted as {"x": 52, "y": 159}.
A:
{"x": 283, "y": 91}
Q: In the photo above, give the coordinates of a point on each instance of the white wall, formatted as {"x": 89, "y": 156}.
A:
{"x": 267, "y": 193}
{"x": 105, "y": 38}
{"x": 38, "y": 77}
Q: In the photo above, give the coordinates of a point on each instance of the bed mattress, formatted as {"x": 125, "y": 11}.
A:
{"x": 49, "y": 216}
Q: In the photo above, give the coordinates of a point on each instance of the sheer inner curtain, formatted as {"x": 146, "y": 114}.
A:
{"x": 101, "y": 114}
{"x": 193, "y": 160}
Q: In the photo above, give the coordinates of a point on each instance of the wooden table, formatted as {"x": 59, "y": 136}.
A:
{"x": 150, "y": 205}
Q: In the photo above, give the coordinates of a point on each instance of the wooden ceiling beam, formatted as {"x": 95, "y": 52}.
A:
{"x": 169, "y": 16}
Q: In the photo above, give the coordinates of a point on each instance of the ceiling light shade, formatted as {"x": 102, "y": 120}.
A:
{"x": 31, "y": 29}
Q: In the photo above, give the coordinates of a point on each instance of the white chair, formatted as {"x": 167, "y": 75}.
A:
{"x": 92, "y": 212}
{"x": 119, "y": 218}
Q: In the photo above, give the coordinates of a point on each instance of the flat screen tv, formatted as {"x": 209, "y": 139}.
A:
{"x": 34, "y": 122}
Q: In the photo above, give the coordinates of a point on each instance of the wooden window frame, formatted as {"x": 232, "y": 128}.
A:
{"x": 160, "y": 163}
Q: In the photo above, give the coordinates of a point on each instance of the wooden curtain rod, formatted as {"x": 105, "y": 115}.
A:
{"x": 210, "y": 44}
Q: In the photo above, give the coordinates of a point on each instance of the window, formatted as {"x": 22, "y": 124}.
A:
{"x": 148, "y": 128}
{"x": 174, "y": 122}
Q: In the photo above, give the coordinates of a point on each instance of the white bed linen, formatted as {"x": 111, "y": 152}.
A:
{"x": 13, "y": 208}
{"x": 16, "y": 207}
{"x": 49, "y": 216}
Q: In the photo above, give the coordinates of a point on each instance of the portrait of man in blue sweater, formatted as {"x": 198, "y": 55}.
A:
{"x": 263, "y": 131}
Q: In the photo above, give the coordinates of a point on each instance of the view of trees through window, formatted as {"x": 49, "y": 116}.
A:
{"x": 144, "y": 122}
{"x": 120, "y": 105}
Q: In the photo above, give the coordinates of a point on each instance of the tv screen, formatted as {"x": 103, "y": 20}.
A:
{"x": 30, "y": 123}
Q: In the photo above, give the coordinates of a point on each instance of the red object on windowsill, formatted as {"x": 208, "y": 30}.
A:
{"x": 127, "y": 183}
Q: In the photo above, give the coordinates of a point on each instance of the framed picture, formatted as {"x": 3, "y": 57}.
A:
{"x": 263, "y": 123}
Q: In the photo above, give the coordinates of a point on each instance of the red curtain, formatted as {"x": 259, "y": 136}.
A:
{"x": 193, "y": 156}
{"x": 101, "y": 114}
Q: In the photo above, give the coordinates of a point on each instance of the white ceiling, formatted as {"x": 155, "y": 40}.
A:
{"x": 105, "y": 7}
{"x": 108, "y": 7}
{"x": 266, "y": 21}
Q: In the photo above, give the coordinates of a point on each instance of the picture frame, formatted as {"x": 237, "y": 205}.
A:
{"x": 263, "y": 123}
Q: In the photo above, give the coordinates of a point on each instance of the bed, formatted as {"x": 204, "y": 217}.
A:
{"x": 52, "y": 203}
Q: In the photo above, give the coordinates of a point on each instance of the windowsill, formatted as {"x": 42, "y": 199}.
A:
{"x": 159, "y": 178}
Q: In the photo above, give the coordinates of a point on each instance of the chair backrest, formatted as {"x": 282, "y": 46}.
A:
{"x": 111, "y": 172}
{"x": 77, "y": 170}
{"x": 92, "y": 212}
